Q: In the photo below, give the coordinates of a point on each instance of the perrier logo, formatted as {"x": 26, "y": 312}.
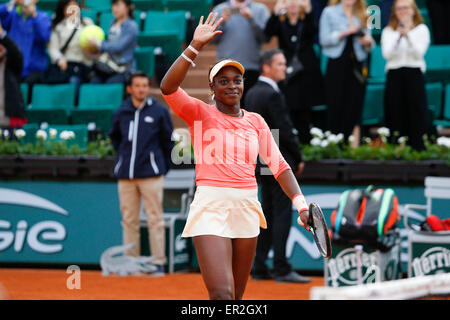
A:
{"x": 434, "y": 260}
{"x": 343, "y": 268}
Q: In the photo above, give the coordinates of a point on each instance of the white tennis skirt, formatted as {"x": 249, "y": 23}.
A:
{"x": 225, "y": 212}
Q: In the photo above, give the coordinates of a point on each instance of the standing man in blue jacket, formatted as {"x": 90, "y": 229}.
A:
{"x": 141, "y": 136}
{"x": 30, "y": 29}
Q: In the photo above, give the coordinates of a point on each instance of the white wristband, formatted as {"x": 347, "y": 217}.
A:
{"x": 300, "y": 203}
{"x": 193, "y": 49}
{"x": 187, "y": 59}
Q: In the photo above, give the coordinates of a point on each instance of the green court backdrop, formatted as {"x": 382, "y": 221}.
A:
{"x": 73, "y": 222}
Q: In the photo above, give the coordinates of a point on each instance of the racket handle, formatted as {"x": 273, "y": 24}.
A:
{"x": 300, "y": 222}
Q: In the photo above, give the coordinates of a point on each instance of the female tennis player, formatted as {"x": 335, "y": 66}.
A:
{"x": 225, "y": 215}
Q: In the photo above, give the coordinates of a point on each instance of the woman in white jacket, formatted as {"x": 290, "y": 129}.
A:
{"x": 404, "y": 43}
{"x": 69, "y": 63}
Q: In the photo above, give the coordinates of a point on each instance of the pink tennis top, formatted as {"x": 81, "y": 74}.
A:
{"x": 226, "y": 148}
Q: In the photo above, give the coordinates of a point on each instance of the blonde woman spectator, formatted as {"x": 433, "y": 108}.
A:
{"x": 346, "y": 41}
{"x": 404, "y": 43}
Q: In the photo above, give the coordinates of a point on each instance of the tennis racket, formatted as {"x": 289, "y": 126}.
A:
{"x": 318, "y": 228}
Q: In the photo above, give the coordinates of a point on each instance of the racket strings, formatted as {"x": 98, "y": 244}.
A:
{"x": 320, "y": 230}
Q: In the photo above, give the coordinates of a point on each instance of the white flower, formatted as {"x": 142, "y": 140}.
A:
{"x": 385, "y": 132}
{"x": 316, "y": 132}
{"x": 6, "y": 133}
{"x": 92, "y": 126}
{"x": 443, "y": 141}
{"x": 351, "y": 139}
{"x": 327, "y": 133}
{"x": 367, "y": 140}
{"x": 324, "y": 143}
{"x": 315, "y": 142}
{"x": 402, "y": 140}
{"x": 340, "y": 137}
{"x": 53, "y": 133}
{"x": 41, "y": 134}
{"x": 20, "y": 133}
{"x": 66, "y": 135}
{"x": 333, "y": 138}
{"x": 44, "y": 125}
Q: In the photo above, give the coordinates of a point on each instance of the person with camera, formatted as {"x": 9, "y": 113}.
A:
{"x": 114, "y": 58}
{"x": 404, "y": 43}
{"x": 243, "y": 34}
{"x": 30, "y": 29}
{"x": 292, "y": 22}
{"x": 346, "y": 41}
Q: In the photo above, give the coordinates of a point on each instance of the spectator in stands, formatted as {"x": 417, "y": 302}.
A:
{"x": 141, "y": 136}
{"x": 439, "y": 11}
{"x": 404, "y": 43}
{"x": 120, "y": 46}
{"x": 292, "y": 22}
{"x": 346, "y": 41}
{"x": 69, "y": 62}
{"x": 12, "y": 108}
{"x": 243, "y": 34}
{"x": 266, "y": 99}
{"x": 30, "y": 30}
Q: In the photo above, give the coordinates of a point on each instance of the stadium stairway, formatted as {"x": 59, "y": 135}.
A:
{"x": 196, "y": 81}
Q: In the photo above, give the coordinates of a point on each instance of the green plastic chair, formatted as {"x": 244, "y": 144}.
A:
{"x": 145, "y": 5}
{"x": 377, "y": 63}
{"x": 434, "y": 99}
{"x": 24, "y": 91}
{"x": 51, "y": 103}
{"x": 196, "y": 8}
{"x": 437, "y": 60}
{"x": 99, "y": 5}
{"x": 47, "y": 5}
{"x": 106, "y": 18}
{"x": 157, "y": 22}
{"x": 100, "y": 96}
{"x": 446, "y": 112}
{"x": 91, "y": 14}
{"x": 145, "y": 60}
{"x": 373, "y": 107}
{"x": 168, "y": 41}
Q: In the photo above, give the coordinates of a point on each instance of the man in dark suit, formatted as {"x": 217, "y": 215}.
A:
{"x": 266, "y": 99}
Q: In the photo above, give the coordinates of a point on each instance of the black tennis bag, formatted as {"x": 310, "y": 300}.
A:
{"x": 367, "y": 216}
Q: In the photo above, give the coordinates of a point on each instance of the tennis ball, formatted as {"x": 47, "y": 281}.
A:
{"x": 89, "y": 33}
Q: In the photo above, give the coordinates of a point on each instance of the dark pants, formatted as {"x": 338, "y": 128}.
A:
{"x": 302, "y": 120}
{"x": 250, "y": 78}
{"x": 345, "y": 96}
{"x": 439, "y": 11}
{"x": 277, "y": 209}
{"x": 406, "y": 105}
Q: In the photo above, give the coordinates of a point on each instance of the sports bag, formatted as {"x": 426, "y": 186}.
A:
{"x": 365, "y": 216}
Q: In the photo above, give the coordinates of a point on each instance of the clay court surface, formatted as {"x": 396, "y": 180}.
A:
{"x": 51, "y": 284}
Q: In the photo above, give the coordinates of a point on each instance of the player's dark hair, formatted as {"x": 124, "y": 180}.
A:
{"x": 130, "y": 6}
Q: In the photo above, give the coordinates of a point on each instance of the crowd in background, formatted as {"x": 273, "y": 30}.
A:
{"x": 51, "y": 53}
